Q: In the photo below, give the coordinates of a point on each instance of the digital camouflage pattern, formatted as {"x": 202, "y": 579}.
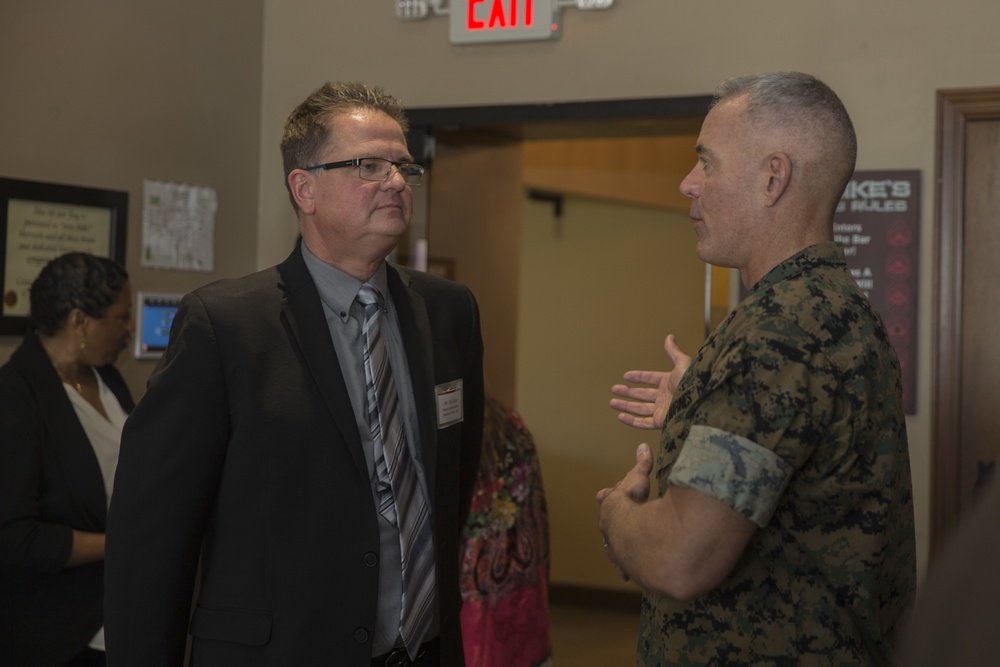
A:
{"x": 792, "y": 414}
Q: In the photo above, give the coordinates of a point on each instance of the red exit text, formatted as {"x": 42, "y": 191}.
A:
{"x": 502, "y": 14}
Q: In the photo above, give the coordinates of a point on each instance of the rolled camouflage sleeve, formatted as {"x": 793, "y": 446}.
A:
{"x": 728, "y": 467}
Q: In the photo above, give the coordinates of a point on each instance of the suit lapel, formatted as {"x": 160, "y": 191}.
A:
{"x": 416, "y": 332}
{"x": 68, "y": 440}
{"x": 303, "y": 314}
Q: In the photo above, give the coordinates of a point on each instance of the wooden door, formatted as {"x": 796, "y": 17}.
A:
{"x": 966, "y": 401}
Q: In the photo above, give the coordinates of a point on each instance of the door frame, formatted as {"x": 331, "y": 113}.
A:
{"x": 956, "y": 108}
{"x": 558, "y": 120}
{"x": 554, "y": 120}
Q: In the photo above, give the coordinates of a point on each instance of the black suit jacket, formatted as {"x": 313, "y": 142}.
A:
{"x": 50, "y": 483}
{"x": 246, "y": 440}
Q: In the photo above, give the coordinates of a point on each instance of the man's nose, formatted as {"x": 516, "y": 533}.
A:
{"x": 395, "y": 178}
{"x": 690, "y": 186}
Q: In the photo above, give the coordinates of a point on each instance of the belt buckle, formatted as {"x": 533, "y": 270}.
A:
{"x": 398, "y": 657}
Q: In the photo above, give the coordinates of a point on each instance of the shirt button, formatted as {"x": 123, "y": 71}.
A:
{"x": 361, "y": 635}
{"x": 371, "y": 559}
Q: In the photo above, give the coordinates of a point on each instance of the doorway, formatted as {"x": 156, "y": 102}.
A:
{"x": 477, "y": 194}
{"x": 567, "y": 223}
{"x": 964, "y": 449}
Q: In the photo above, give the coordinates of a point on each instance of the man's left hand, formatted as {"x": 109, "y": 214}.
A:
{"x": 632, "y": 489}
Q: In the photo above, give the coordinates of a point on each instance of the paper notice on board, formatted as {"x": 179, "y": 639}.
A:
{"x": 178, "y": 226}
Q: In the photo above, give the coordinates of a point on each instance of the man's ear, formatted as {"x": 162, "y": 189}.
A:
{"x": 300, "y": 184}
{"x": 779, "y": 175}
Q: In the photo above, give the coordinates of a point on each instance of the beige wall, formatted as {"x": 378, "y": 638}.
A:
{"x": 475, "y": 220}
{"x": 571, "y": 295}
{"x": 105, "y": 94}
{"x": 600, "y": 287}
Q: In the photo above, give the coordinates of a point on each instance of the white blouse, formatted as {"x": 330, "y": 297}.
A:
{"x": 105, "y": 435}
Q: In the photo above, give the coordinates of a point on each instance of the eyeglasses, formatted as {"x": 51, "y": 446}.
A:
{"x": 377, "y": 169}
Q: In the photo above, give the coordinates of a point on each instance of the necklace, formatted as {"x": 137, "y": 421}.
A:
{"x": 77, "y": 384}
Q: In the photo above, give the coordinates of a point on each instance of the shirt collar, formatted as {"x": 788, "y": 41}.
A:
{"x": 814, "y": 256}
{"x": 338, "y": 289}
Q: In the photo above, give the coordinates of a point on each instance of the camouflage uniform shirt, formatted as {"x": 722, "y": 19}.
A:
{"x": 791, "y": 413}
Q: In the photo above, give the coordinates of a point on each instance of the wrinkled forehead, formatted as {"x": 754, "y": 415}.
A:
{"x": 366, "y": 129}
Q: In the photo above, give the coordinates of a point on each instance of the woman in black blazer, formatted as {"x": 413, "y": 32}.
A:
{"x": 62, "y": 407}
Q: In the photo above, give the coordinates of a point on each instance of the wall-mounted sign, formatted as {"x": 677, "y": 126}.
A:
{"x": 477, "y": 21}
{"x": 40, "y": 221}
{"x": 484, "y": 21}
{"x": 878, "y": 224}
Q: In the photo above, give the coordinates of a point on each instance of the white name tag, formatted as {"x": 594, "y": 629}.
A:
{"x": 449, "y": 403}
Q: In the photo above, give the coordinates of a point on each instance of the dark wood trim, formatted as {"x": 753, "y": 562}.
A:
{"x": 506, "y": 114}
{"x": 955, "y": 109}
{"x": 558, "y": 120}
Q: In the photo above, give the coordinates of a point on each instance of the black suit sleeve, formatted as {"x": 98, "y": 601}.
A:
{"x": 173, "y": 447}
{"x": 29, "y": 540}
{"x": 473, "y": 409}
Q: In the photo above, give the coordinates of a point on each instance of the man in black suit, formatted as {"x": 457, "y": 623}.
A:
{"x": 253, "y": 447}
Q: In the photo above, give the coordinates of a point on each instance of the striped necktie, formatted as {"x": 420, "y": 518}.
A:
{"x": 401, "y": 499}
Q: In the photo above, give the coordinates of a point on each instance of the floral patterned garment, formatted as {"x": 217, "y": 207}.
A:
{"x": 505, "y": 557}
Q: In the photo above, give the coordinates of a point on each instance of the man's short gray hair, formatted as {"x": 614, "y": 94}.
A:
{"x": 803, "y": 102}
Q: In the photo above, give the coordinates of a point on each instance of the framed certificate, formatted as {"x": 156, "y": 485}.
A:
{"x": 40, "y": 221}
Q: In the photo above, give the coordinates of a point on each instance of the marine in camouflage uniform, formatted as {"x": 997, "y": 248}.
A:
{"x": 792, "y": 414}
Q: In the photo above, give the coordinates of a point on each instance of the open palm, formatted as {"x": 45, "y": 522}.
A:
{"x": 645, "y": 401}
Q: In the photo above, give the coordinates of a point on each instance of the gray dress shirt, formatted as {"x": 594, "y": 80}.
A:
{"x": 344, "y": 316}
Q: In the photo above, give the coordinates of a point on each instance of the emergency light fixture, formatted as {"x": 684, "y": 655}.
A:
{"x": 483, "y": 21}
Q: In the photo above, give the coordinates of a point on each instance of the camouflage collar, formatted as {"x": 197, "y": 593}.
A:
{"x": 807, "y": 259}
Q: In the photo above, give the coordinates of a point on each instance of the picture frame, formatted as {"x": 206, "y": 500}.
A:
{"x": 40, "y": 221}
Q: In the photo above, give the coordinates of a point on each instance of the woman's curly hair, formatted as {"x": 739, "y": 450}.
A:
{"x": 74, "y": 280}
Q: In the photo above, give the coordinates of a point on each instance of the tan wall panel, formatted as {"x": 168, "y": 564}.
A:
{"x": 106, "y": 94}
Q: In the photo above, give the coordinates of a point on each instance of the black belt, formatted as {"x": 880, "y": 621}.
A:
{"x": 429, "y": 652}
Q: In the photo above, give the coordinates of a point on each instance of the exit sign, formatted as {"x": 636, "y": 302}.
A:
{"x": 480, "y": 21}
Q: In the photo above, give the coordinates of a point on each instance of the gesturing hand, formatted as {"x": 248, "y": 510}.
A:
{"x": 646, "y": 406}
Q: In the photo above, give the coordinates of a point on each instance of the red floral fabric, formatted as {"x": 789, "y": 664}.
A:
{"x": 505, "y": 558}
